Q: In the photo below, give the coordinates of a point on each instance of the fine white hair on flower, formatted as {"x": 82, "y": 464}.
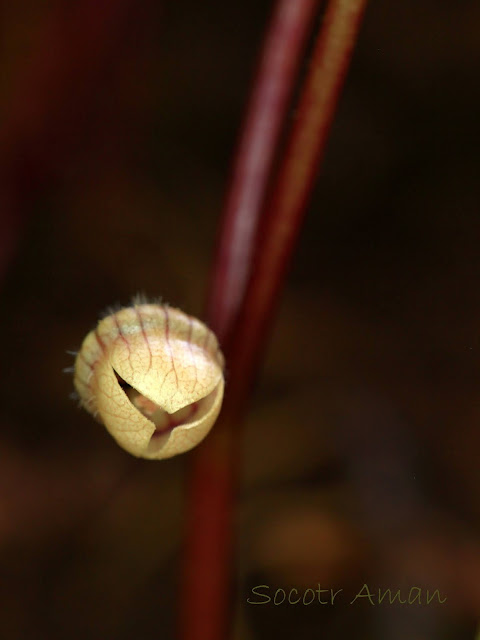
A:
{"x": 153, "y": 376}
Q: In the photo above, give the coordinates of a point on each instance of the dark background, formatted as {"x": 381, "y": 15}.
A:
{"x": 361, "y": 457}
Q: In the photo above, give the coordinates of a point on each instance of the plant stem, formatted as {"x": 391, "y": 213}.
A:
{"x": 206, "y": 590}
{"x": 265, "y": 117}
{"x": 283, "y": 216}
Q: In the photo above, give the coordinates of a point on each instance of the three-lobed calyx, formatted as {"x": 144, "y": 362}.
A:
{"x": 154, "y": 376}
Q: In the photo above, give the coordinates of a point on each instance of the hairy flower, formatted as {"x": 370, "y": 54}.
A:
{"x": 154, "y": 377}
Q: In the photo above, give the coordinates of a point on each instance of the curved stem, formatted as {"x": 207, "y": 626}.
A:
{"x": 206, "y": 590}
{"x": 283, "y": 216}
{"x": 251, "y": 172}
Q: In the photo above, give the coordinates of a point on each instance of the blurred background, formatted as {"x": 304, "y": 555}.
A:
{"x": 118, "y": 121}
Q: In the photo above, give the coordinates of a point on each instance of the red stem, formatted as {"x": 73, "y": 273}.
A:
{"x": 266, "y": 114}
{"x": 206, "y": 590}
{"x": 283, "y": 216}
